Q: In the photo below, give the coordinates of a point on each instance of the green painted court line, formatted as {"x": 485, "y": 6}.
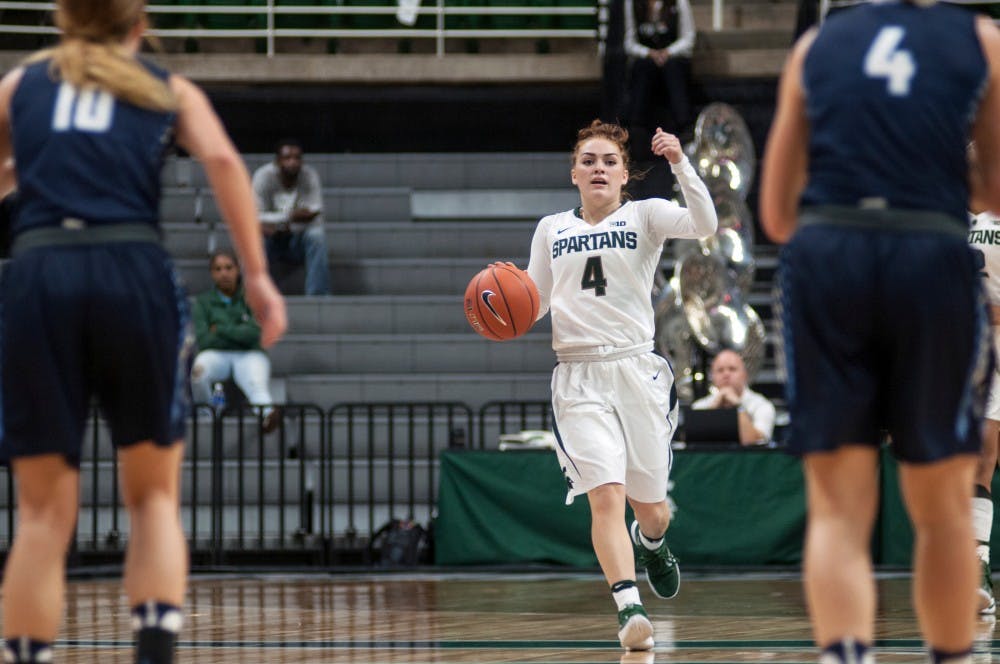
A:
{"x": 758, "y": 644}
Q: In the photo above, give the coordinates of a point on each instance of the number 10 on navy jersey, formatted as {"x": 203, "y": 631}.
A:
{"x": 90, "y": 110}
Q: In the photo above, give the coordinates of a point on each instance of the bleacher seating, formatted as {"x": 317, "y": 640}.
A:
{"x": 405, "y": 234}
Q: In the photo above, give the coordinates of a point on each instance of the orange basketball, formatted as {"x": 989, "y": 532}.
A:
{"x": 501, "y": 302}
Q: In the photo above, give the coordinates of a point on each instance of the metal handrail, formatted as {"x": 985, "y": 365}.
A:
{"x": 270, "y": 12}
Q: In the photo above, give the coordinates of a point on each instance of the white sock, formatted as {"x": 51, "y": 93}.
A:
{"x": 637, "y": 536}
{"x": 982, "y": 519}
{"x": 626, "y": 596}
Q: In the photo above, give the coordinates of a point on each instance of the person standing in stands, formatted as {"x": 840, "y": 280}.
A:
{"x": 92, "y": 306}
{"x": 659, "y": 39}
{"x": 290, "y": 199}
{"x": 613, "y": 398}
{"x": 865, "y": 178}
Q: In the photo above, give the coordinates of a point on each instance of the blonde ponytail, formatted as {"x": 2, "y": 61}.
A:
{"x": 109, "y": 67}
{"x": 92, "y": 52}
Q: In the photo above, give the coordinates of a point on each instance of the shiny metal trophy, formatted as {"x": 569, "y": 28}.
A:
{"x": 674, "y": 339}
{"x": 722, "y": 151}
{"x": 702, "y": 309}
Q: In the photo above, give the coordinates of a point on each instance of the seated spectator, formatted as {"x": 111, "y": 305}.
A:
{"x": 229, "y": 341}
{"x": 659, "y": 38}
{"x": 729, "y": 390}
{"x": 290, "y": 203}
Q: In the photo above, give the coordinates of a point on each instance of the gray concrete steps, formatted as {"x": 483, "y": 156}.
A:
{"x": 492, "y": 204}
{"x": 469, "y": 388}
{"x": 365, "y": 204}
{"x": 404, "y": 276}
{"x": 381, "y": 314}
{"x": 463, "y": 352}
{"x": 301, "y": 437}
{"x": 381, "y": 239}
{"x": 349, "y": 204}
{"x": 277, "y": 481}
{"x": 469, "y": 170}
{"x": 382, "y": 276}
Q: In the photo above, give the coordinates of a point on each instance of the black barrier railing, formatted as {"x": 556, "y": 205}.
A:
{"x": 500, "y": 417}
{"x": 382, "y": 464}
{"x": 313, "y": 491}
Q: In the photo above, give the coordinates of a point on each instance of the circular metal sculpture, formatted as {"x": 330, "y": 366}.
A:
{"x": 675, "y": 340}
{"x": 702, "y": 309}
{"x": 722, "y": 151}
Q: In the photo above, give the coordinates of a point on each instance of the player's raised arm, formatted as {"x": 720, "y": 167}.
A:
{"x": 699, "y": 219}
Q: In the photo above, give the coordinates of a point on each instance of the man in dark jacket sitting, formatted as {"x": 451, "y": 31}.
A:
{"x": 229, "y": 341}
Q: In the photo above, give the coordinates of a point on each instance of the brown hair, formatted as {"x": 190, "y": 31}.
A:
{"x": 228, "y": 253}
{"x": 612, "y": 132}
{"x": 91, "y": 52}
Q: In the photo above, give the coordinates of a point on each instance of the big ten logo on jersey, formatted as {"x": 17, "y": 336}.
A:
{"x": 89, "y": 110}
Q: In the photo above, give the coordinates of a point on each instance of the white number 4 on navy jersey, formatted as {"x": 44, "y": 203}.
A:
{"x": 886, "y": 60}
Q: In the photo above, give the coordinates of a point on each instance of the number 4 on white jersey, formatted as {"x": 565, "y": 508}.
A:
{"x": 885, "y": 60}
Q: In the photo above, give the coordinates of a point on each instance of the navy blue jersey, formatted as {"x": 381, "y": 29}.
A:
{"x": 891, "y": 94}
{"x": 85, "y": 154}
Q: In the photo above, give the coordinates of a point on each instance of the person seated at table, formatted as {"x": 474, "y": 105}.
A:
{"x": 730, "y": 390}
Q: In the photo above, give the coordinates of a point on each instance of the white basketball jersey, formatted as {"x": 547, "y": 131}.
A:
{"x": 598, "y": 279}
{"x": 984, "y": 236}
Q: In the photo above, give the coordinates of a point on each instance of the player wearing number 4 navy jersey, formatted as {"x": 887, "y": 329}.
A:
{"x": 613, "y": 399}
{"x": 882, "y": 314}
{"x": 92, "y": 307}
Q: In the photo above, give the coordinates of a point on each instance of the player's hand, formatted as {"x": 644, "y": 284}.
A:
{"x": 268, "y": 307}
{"x": 667, "y": 145}
{"x": 660, "y": 56}
{"x": 505, "y": 264}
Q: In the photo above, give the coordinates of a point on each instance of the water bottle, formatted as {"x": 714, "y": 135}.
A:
{"x": 218, "y": 398}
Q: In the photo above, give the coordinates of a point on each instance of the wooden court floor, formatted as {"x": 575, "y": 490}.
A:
{"x": 483, "y": 618}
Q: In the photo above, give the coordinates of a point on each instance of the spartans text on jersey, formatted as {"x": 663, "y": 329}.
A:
{"x": 984, "y": 237}
{"x": 595, "y": 241}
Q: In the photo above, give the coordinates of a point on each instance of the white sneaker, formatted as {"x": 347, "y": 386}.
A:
{"x": 636, "y": 631}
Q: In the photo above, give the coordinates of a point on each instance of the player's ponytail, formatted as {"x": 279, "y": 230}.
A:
{"x": 91, "y": 52}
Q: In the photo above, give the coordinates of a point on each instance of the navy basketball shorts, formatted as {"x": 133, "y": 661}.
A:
{"x": 108, "y": 320}
{"x": 883, "y": 331}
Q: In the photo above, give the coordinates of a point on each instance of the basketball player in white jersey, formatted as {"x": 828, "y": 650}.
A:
{"x": 613, "y": 399}
{"x": 984, "y": 237}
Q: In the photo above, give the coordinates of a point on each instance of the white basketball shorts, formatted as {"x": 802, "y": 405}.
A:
{"x": 613, "y": 423}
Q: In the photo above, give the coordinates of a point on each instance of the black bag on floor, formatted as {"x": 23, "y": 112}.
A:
{"x": 398, "y": 543}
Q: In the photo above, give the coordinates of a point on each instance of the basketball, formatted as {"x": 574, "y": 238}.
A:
{"x": 501, "y": 302}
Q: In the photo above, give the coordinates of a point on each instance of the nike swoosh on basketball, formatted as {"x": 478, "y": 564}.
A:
{"x": 486, "y": 295}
